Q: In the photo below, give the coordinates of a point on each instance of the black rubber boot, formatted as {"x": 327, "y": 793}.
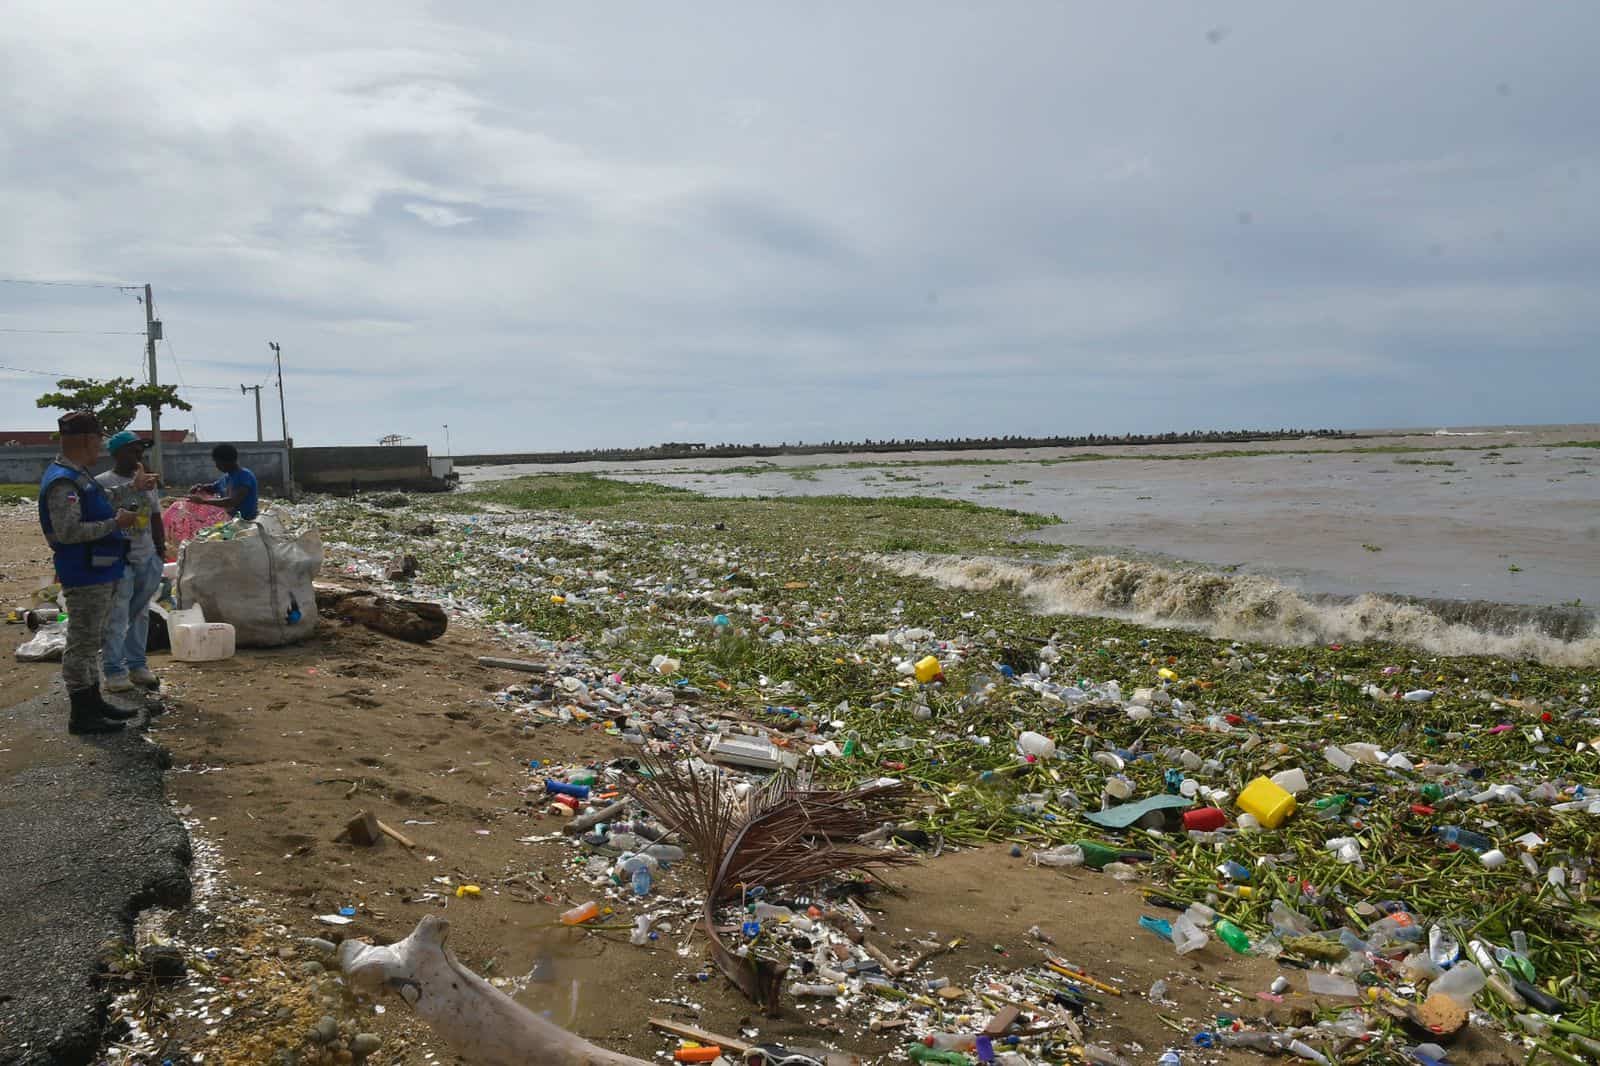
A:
{"x": 110, "y": 710}
{"x": 86, "y": 719}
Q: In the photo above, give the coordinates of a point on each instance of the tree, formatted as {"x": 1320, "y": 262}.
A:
{"x": 115, "y": 402}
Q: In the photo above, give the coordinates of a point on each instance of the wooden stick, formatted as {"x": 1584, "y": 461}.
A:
{"x": 584, "y": 822}
{"x": 701, "y": 1036}
{"x": 526, "y": 666}
{"x": 890, "y": 967}
{"x": 395, "y": 835}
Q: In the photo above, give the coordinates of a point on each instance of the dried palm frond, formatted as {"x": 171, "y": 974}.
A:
{"x": 775, "y": 835}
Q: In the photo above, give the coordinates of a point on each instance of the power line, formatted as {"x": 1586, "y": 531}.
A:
{"x": 41, "y": 373}
{"x": 96, "y": 332}
{"x": 66, "y": 284}
{"x": 73, "y": 374}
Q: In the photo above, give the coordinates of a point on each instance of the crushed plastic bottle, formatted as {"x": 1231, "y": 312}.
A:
{"x": 1464, "y": 839}
{"x": 1059, "y": 856}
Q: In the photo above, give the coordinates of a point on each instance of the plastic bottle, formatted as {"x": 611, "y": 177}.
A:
{"x": 1338, "y": 757}
{"x": 1233, "y": 936}
{"x": 822, "y": 992}
{"x": 1097, "y": 856}
{"x": 561, "y": 788}
{"x": 1461, "y": 983}
{"x": 583, "y": 912}
{"x": 1064, "y": 855}
{"x": 665, "y": 854}
{"x": 949, "y": 1041}
{"x": 1036, "y": 744}
{"x": 920, "y": 1053}
{"x": 1465, "y": 839}
{"x": 1234, "y": 870}
{"x": 641, "y": 931}
{"x": 625, "y": 842}
{"x": 642, "y": 881}
{"x": 1204, "y": 819}
{"x": 1169, "y": 1057}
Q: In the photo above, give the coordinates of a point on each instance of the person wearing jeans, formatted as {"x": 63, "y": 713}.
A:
{"x": 122, "y": 658}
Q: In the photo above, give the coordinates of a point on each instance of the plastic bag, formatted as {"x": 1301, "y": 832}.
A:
{"x": 261, "y": 585}
{"x": 185, "y": 518}
{"x": 45, "y": 646}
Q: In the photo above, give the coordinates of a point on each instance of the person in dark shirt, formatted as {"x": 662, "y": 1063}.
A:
{"x": 234, "y": 491}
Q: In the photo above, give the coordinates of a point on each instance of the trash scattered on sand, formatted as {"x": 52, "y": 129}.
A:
{"x": 1411, "y": 840}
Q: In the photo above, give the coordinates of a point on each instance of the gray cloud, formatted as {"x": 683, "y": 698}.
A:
{"x": 556, "y": 226}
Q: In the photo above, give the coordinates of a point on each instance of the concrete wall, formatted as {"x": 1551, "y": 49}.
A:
{"x": 340, "y": 469}
{"x": 183, "y": 464}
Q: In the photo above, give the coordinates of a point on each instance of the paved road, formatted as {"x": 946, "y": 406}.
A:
{"x": 86, "y": 842}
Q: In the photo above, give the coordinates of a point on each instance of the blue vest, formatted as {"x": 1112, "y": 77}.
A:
{"x": 96, "y": 562}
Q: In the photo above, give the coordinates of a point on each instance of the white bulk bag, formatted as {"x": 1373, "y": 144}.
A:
{"x": 256, "y": 582}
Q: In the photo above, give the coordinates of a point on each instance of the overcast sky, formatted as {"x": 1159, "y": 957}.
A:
{"x": 566, "y": 225}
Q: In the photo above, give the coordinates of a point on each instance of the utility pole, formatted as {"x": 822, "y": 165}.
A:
{"x": 288, "y": 452}
{"x": 257, "y": 390}
{"x": 447, "y": 440}
{"x": 152, "y": 333}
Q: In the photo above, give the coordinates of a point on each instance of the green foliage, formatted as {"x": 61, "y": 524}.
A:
{"x": 18, "y": 493}
{"x": 114, "y": 401}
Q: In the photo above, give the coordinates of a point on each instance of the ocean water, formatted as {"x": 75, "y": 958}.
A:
{"x": 1488, "y": 540}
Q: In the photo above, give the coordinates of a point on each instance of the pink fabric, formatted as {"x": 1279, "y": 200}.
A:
{"x": 185, "y": 518}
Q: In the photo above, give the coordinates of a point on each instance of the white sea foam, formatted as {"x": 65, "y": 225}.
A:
{"x": 1239, "y": 606}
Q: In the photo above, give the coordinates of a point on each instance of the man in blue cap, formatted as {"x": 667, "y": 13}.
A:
{"x": 122, "y": 659}
{"x": 85, "y": 533}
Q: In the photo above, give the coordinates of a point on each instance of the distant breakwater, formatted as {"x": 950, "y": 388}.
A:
{"x": 687, "y": 450}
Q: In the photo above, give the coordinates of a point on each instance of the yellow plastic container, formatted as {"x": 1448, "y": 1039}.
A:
{"x": 1270, "y": 804}
{"x": 928, "y": 669}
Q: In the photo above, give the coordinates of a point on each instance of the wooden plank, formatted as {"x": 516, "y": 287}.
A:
{"x": 701, "y": 1036}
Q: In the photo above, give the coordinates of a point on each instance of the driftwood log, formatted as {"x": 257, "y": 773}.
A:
{"x": 412, "y": 620}
{"x": 484, "y": 1025}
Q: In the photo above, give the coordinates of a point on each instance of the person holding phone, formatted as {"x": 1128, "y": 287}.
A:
{"x": 130, "y": 486}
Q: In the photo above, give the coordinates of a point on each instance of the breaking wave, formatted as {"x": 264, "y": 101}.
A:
{"x": 1251, "y": 607}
